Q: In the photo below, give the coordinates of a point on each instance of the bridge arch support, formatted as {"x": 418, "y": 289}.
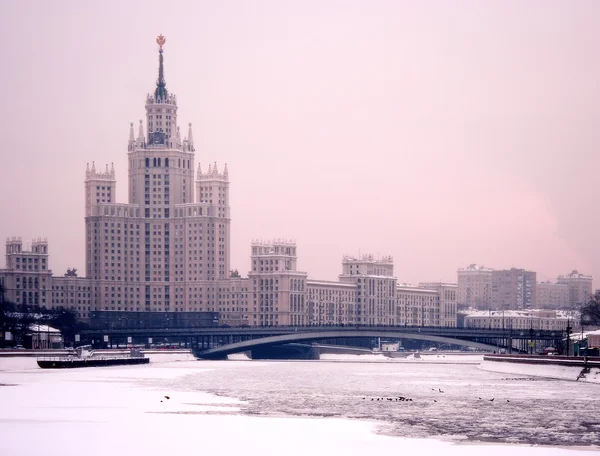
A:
{"x": 236, "y": 347}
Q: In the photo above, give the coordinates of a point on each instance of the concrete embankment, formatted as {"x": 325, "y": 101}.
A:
{"x": 557, "y": 367}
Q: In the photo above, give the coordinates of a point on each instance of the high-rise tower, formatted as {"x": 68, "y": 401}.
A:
{"x": 165, "y": 250}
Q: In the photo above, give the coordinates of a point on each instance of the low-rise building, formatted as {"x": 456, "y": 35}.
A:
{"x": 516, "y": 320}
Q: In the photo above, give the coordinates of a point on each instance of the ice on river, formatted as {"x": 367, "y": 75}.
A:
{"x": 152, "y": 410}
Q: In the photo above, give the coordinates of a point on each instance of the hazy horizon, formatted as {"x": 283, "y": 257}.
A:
{"x": 443, "y": 134}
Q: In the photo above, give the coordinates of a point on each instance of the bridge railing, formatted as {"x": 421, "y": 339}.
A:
{"x": 250, "y": 330}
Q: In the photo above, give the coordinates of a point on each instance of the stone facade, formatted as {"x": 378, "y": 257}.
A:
{"x": 375, "y": 289}
{"x": 521, "y": 320}
{"x": 513, "y": 289}
{"x": 580, "y": 287}
{"x": 27, "y": 278}
{"x": 447, "y": 293}
{"x": 278, "y": 288}
{"x": 552, "y": 296}
{"x": 331, "y": 303}
{"x": 167, "y": 251}
{"x": 475, "y": 287}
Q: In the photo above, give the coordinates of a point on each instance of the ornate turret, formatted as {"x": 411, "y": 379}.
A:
{"x": 140, "y": 138}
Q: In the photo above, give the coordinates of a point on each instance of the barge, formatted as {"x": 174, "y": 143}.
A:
{"x": 87, "y": 358}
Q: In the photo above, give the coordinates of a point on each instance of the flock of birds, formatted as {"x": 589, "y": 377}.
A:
{"x": 406, "y": 399}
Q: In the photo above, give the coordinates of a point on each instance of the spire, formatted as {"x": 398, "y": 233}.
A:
{"x": 141, "y": 133}
{"x": 178, "y": 137}
{"x": 131, "y": 137}
{"x": 190, "y": 137}
{"x": 93, "y": 167}
{"x": 215, "y": 169}
{"x": 199, "y": 170}
{"x": 225, "y": 172}
{"x": 161, "y": 86}
{"x": 209, "y": 169}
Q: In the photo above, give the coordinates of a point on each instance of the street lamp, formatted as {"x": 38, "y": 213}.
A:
{"x": 569, "y": 328}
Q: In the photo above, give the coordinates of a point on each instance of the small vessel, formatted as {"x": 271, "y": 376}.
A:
{"x": 87, "y": 358}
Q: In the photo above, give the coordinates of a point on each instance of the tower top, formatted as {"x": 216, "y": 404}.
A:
{"x": 161, "y": 86}
{"x": 161, "y": 40}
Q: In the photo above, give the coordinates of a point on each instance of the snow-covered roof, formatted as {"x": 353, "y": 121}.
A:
{"x": 43, "y": 329}
{"x": 514, "y": 314}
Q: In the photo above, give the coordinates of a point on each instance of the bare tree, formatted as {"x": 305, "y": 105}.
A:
{"x": 590, "y": 312}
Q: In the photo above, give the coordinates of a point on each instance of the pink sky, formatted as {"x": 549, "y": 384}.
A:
{"x": 442, "y": 133}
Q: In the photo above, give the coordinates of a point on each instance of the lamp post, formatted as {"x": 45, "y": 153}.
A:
{"x": 569, "y": 328}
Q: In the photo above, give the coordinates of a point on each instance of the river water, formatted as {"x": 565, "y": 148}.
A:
{"x": 305, "y": 407}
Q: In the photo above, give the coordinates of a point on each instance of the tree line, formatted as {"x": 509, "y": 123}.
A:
{"x": 16, "y": 320}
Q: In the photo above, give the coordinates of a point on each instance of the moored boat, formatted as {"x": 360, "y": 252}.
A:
{"x": 87, "y": 358}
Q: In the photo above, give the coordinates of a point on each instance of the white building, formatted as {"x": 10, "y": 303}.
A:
{"x": 331, "y": 303}
{"x": 552, "y": 295}
{"x": 417, "y": 306}
{"x": 517, "y": 320}
{"x": 27, "y": 278}
{"x": 375, "y": 288}
{"x": 278, "y": 288}
{"x": 580, "y": 287}
{"x": 447, "y": 306}
{"x": 475, "y": 287}
{"x": 166, "y": 249}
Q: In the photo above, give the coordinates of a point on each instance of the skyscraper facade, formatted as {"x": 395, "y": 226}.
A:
{"x": 167, "y": 249}
{"x": 164, "y": 256}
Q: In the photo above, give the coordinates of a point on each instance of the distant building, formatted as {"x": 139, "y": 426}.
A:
{"x": 513, "y": 289}
{"x": 580, "y": 287}
{"x": 375, "y": 288}
{"x": 417, "y": 306}
{"x": 331, "y": 303}
{"x": 474, "y": 287}
{"x": 278, "y": 288}
{"x": 516, "y": 319}
{"x": 27, "y": 278}
{"x": 552, "y": 296}
{"x": 43, "y": 337}
{"x": 447, "y": 307}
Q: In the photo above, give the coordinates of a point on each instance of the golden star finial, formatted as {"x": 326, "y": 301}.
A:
{"x": 161, "y": 40}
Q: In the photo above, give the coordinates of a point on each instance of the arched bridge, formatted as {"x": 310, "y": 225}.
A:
{"x": 295, "y": 337}
{"x": 218, "y": 342}
{"x": 485, "y": 339}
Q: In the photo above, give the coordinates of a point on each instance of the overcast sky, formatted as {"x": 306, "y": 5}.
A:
{"x": 442, "y": 133}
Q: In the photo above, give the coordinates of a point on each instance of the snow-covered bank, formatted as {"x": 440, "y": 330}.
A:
{"x": 422, "y": 358}
{"x": 572, "y": 373}
{"x": 162, "y": 356}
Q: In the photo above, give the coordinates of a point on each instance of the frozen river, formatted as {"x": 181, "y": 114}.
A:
{"x": 293, "y": 408}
